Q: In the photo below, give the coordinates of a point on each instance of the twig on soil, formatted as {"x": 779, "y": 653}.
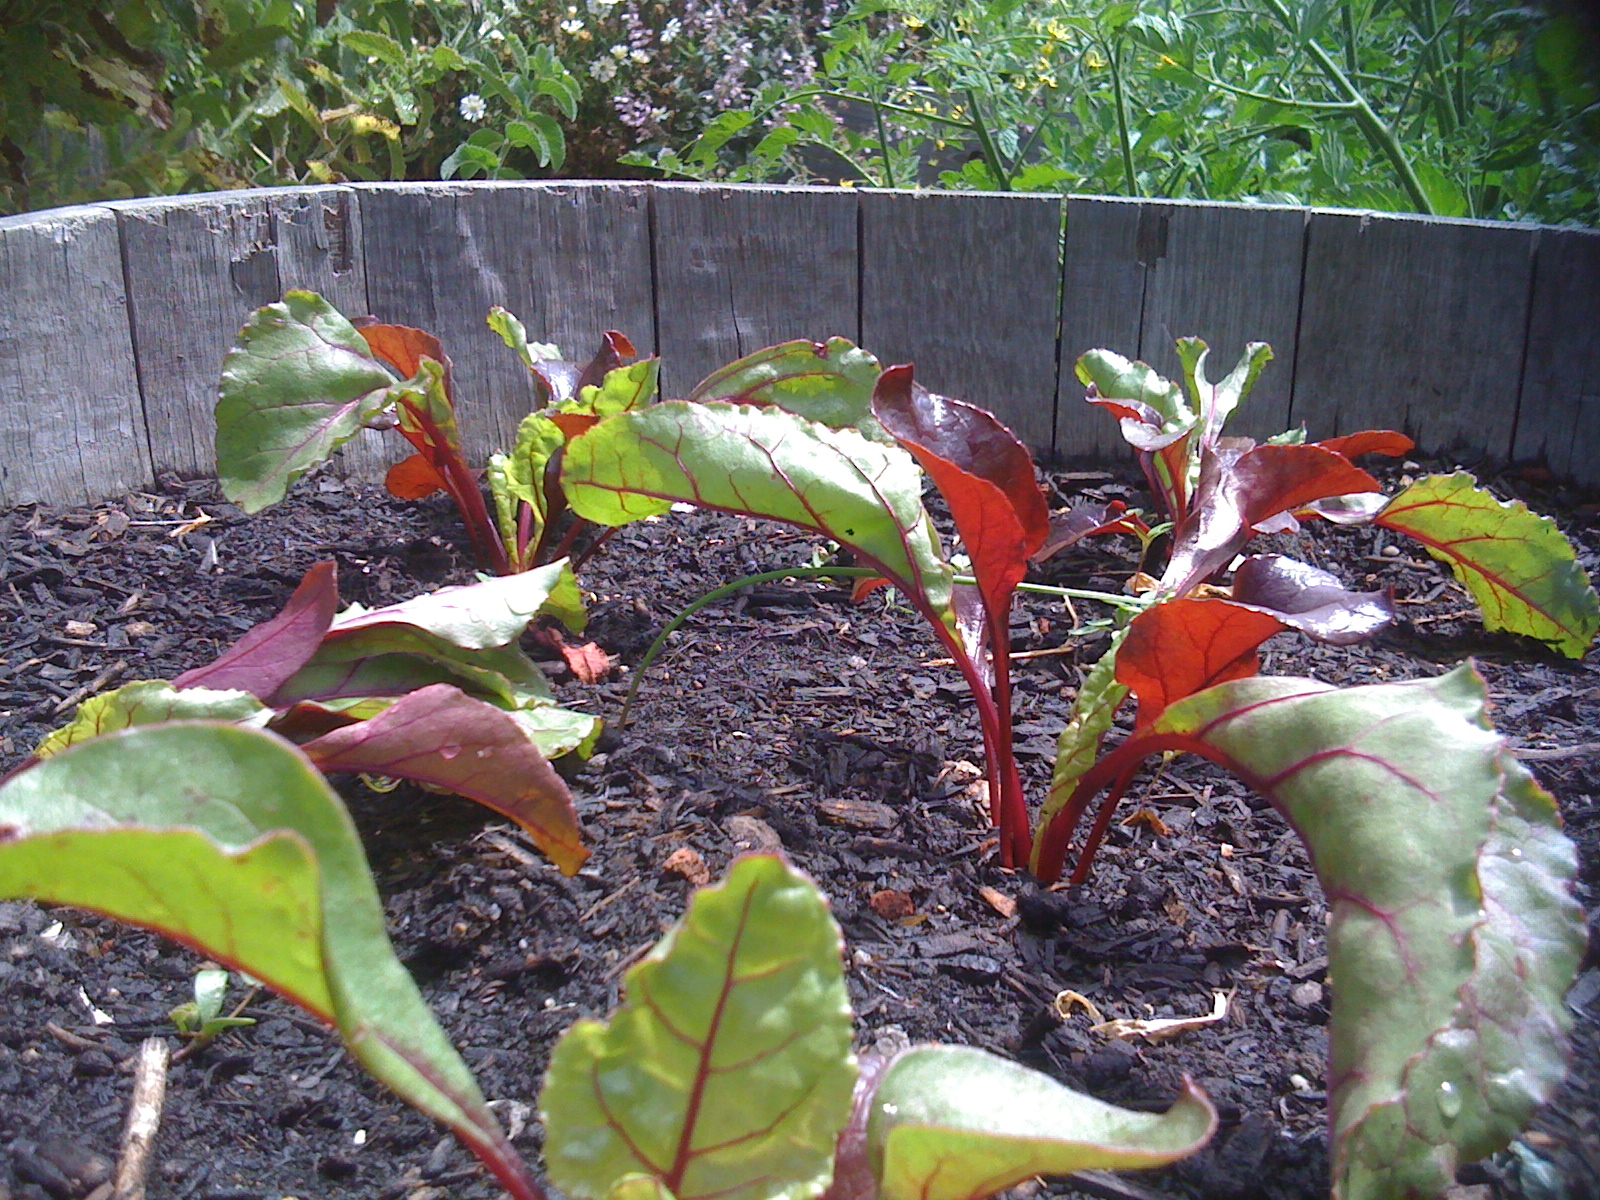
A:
{"x": 67, "y": 1038}
{"x": 144, "y": 1119}
{"x": 90, "y": 688}
{"x": 1555, "y": 753}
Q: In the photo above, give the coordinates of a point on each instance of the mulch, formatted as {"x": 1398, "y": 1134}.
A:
{"x": 789, "y": 717}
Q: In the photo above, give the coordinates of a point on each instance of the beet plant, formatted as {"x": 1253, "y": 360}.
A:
{"x": 727, "y": 1071}
{"x": 435, "y": 689}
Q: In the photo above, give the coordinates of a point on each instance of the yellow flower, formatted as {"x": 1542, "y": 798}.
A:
{"x": 1094, "y": 60}
{"x": 913, "y": 22}
{"x": 1058, "y": 32}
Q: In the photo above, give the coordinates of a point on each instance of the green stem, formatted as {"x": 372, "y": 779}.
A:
{"x": 1114, "y": 57}
{"x": 1377, "y": 131}
{"x": 991, "y": 153}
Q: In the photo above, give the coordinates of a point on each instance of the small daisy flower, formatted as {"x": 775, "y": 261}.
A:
{"x": 670, "y": 31}
{"x": 641, "y": 57}
{"x": 473, "y": 108}
{"x": 619, "y": 52}
{"x": 571, "y": 25}
{"x": 603, "y": 69}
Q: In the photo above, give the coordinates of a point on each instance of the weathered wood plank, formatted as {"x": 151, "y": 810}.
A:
{"x": 1414, "y": 324}
{"x": 1102, "y": 301}
{"x": 1228, "y": 274}
{"x": 742, "y": 268}
{"x": 967, "y": 287}
{"x": 1558, "y": 418}
{"x": 196, "y": 267}
{"x": 71, "y": 426}
{"x": 572, "y": 260}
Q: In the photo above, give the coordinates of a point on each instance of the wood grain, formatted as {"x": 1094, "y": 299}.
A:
{"x": 1229, "y": 275}
{"x": 71, "y": 426}
{"x": 572, "y": 260}
{"x": 1102, "y": 303}
{"x": 742, "y": 268}
{"x": 196, "y": 268}
{"x": 1414, "y": 324}
{"x": 1558, "y": 420}
{"x": 967, "y": 287}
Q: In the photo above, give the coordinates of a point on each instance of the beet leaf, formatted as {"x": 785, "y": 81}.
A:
{"x": 227, "y": 840}
{"x": 727, "y": 1071}
{"x": 1452, "y": 934}
{"x": 828, "y": 382}
{"x": 1519, "y": 566}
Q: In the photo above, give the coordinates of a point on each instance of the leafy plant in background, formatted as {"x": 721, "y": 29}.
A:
{"x": 435, "y": 689}
{"x": 301, "y": 381}
{"x": 727, "y": 1071}
{"x": 1420, "y": 106}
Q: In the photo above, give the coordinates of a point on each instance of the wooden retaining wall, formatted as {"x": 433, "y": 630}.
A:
{"x": 1480, "y": 339}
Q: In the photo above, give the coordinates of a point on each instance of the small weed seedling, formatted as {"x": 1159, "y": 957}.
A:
{"x": 201, "y": 1020}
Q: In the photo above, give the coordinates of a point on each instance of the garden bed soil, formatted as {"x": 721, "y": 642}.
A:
{"x": 790, "y": 717}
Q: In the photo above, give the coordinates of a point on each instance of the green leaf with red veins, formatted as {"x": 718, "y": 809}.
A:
{"x": 1221, "y": 398}
{"x": 727, "y": 1070}
{"x": 829, "y": 382}
{"x": 1115, "y": 379}
{"x": 1093, "y": 711}
{"x": 151, "y": 702}
{"x": 955, "y": 1123}
{"x": 1519, "y": 566}
{"x": 439, "y": 735}
{"x": 474, "y": 616}
{"x": 228, "y": 840}
{"x": 1452, "y": 934}
{"x": 299, "y": 382}
{"x": 763, "y": 463}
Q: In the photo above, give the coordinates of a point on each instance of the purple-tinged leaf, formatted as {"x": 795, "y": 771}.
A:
{"x": 1241, "y": 485}
{"x": 1519, "y": 566}
{"x": 403, "y": 348}
{"x": 1086, "y": 521}
{"x": 269, "y": 655}
{"x": 152, "y": 702}
{"x": 474, "y": 616}
{"x": 615, "y": 351}
{"x": 1311, "y": 600}
{"x": 1357, "y": 509}
{"x": 1155, "y": 419}
{"x": 441, "y": 736}
{"x": 1184, "y": 646}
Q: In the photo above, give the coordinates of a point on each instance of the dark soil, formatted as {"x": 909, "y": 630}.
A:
{"x": 787, "y": 716}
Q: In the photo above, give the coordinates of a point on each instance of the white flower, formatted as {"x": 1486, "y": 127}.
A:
{"x": 670, "y": 31}
{"x": 641, "y": 56}
{"x": 619, "y": 52}
{"x": 603, "y": 69}
{"x": 571, "y": 25}
{"x": 601, "y": 8}
{"x": 473, "y": 108}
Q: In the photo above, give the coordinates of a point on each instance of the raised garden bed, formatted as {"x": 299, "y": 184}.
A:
{"x": 792, "y": 714}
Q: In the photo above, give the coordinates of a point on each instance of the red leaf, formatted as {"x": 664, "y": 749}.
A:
{"x": 615, "y": 351}
{"x": 404, "y": 348}
{"x": 588, "y": 662}
{"x": 414, "y": 478}
{"x": 573, "y": 424}
{"x": 862, "y": 588}
{"x": 1184, "y": 646}
{"x": 1369, "y": 441}
{"x": 984, "y": 472}
{"x": 1242, "y": 485}
{"x": 265, "y": 658}
{"x": 442, "y": 736}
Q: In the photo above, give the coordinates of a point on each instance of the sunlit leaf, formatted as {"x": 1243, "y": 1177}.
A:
{"x": 829, "y": 382}
{"x": 1519, "y": 566}
{"x": 267, "y": 656}
{"x": 150, "y": 702}
{"x": 1311, "y": 600}
{"x": 1183, "y": 646}
{"x": 727, "y": 1071}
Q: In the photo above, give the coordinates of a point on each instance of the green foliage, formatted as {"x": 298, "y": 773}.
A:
{"x": 201, "y": 1020}
{"x": 126, "y": 98}
{"x": 1452, "y": 936}
{"x": 1423, "y": 105}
